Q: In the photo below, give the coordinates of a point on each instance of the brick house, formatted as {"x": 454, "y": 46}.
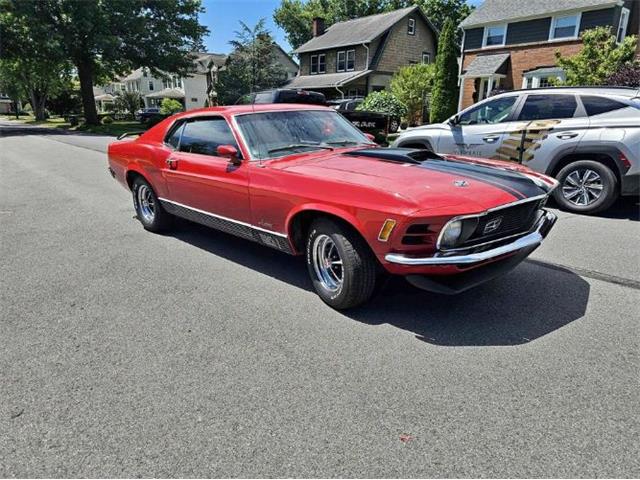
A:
{"x": 511, "y": 44}
{"x": 355, "y": 57}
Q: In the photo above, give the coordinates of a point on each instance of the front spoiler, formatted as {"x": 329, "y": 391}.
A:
{"x": 497, "y": 261}
{"x": 532, "y": 239}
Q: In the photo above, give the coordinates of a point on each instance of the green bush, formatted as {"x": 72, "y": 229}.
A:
{"x": 107, "y": 120}
{"x": 384, "y": 102}
{"x": 169, "y": 106}
{"x": 411, "y": 85}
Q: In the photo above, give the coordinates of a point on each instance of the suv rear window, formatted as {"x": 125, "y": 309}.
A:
{"x": 597, "y": 105}
{"x": 543, "y": 107}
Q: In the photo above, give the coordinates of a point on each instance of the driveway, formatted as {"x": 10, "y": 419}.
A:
{"x": 197, "y": 354}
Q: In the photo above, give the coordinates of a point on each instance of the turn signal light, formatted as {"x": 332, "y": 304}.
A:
{"x": 385, "y": 231}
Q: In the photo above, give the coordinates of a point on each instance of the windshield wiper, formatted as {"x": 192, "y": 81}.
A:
{"x": 343, "y": 142}
{"x": 299, "y": 145}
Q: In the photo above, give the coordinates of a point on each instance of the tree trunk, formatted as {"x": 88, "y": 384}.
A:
{"x": 85, "y": 75}
{"x": 38, "y": 101}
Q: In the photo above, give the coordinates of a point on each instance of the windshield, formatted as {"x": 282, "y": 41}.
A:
{"x": 276, "y": 134}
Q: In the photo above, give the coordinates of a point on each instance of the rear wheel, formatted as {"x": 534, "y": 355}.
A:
{"x": 148, "y": 209}
{"x": 342, "y": 268}
{"x": 586, "y": 186}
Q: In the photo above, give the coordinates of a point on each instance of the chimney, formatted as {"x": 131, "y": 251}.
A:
{"x": 317, "y": 26}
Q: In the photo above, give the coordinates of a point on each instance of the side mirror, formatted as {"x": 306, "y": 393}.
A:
{"x": 455, "y": 120}
{"x": 371, "y": 137}
{"x": 230, "y": 152}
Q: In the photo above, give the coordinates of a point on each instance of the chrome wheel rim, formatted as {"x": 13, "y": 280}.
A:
{"x": 146, "y": 205}
{"x": 327, "y": 263}
{"x": 582, "y": 187}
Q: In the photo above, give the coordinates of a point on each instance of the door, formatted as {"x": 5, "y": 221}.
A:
{"x": 480, "y": 129}
{"x": 200, "y": 179}
{"x": 544, "y": 126}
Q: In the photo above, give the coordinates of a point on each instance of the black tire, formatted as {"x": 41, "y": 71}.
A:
{"x": 161, "y": 220}
{"x": 358, "y": 268}
{"x": 607, "y": 179}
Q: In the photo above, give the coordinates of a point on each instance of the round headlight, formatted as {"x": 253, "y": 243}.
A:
{"x": 451, "y": 234}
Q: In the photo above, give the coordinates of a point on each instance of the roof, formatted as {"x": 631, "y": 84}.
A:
{"x": 167, "y": 93}
{"x": 543, "y": 70}
{"x": 326, "y": 80}
{"x": 104, "y": 96}
{"x": 484, "y": 65}
{"x": 496, "y": 11}
{"x": 135, "y": 75}
{"x": 358, "y": 30}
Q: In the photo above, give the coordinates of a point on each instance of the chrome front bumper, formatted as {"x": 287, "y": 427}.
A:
{"x": 532, "y": 239}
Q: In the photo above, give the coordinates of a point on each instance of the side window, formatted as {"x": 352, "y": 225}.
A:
{"x": 205, "y": 136}
{"x": 543, "y": 107}
{"x": 493, "y": 111}
{"x": 173, "y": 138}
{"x": 597, "y": 105}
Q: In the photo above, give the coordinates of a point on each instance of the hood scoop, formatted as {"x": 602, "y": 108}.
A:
{"x": 399, "y": 155}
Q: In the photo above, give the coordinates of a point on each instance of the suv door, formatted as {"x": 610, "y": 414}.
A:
{"x": 200, "y": 179}
{"x": 479, "y": 130}
{"x": 546, "y": 124}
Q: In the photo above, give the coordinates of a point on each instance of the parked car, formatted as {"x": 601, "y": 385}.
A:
{"x": 365, "y": 120}
{"x": 587, "y": 138}
{"x": 145, "y": 114}
{"x": 305, "y": 181}
{"x": 283, "y": 95}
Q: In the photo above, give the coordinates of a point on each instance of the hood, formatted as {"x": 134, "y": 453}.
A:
{"x": 426, "y": 179}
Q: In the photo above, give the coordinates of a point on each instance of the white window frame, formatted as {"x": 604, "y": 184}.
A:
{"x": 151, "y": 85}
{"x": 311, "y": 65}
{"x": 485, "y": 35}
{"x": 576, "y": 31}
{"x": 624, "y": 15}
{"x": 428, "y": 55}
{"x": 535, "y": 79}
{"x": 411, "y": 26}
{"x": 346, "y": 61}
{"x": 324, "y": 56}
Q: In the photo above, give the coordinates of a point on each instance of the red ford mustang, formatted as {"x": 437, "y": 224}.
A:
{"x": 303, "y": 180}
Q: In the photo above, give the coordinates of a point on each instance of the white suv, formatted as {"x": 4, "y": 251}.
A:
{"x": 588, "y": 138}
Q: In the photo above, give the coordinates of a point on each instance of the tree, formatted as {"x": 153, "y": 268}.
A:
{"x": 627, "y": 76}
{"x": 295, "y": 16}
{"x": 106, "y": 38}
{"x": 169, "y": 106}
{"x": 444, "y": 99}
{"x": 129, "y": 102}
{"x": 251, "y": 66}
{"x": 411, "y": 85}
{"x": 601, "y": 56}
{"x": 384, "y": 102}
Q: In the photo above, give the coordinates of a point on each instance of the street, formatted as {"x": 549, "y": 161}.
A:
{"x": 197, "y": 354}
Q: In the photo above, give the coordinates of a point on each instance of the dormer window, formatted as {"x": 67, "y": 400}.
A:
{"x": 566, "y": 26}
{"x": 411, "y": 26}
{"x": 494, "y": 35}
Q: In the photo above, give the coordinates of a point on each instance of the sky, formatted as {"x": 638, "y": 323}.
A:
{"x": 222, "y": 17}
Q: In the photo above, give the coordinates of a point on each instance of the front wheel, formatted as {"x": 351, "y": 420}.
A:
{"x": 342, "y": 268}
{"x": 148, "y": 209}
{"x": 586, "y": 186}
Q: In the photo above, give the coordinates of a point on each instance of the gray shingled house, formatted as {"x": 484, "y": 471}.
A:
{"x": 355, "y": 57}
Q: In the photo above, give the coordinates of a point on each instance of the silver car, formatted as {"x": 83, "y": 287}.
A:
{"x": 587, "y": 138}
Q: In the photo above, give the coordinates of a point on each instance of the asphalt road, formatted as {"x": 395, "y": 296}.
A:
{"x": 126, "y": 353}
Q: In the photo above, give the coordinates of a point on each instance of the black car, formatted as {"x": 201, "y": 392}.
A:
{"x": 284, "y": 95}
{"x": 363, "y": 119}
{"x": 145, "y": 114}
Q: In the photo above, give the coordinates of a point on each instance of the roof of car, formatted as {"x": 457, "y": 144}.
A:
{"x": 618, "y": 91}
{"x": 253, "y": 108}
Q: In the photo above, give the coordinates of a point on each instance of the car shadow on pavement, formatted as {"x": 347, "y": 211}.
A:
{"x": 531, "y": 301}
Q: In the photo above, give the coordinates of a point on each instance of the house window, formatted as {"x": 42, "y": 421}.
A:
{"x": 622, "y": 25}
{"x": 322, "y": 66}
{"x": 411, "y": 26}
{"x": 144, "y": 73}
{"x": 313, "y": 67}
{"x": 426, "y": 57}
{"x": 548, "y": 78}
{"x": 351, "y": 60}
{"x": 494, "y": 35}
{"x": 194, "y": 100}
{"x": 151, "y": 85}
{"x": 565, "y": 27}
{"x": 340, "y": 65}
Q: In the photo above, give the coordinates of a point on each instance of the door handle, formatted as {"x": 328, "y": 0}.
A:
{"x": 172, "y": 163}
{"x": 491, "y": 138}
{"x": 567, "y": 135}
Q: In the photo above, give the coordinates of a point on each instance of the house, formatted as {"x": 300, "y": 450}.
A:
{"x": 355, "y": 57}
{"x": 5, "y": 103}
{"x": 511, "y": 44}
{"x": 287, "y": 63}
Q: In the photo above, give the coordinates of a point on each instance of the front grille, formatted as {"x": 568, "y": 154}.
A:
{"x": 510, "y": 221}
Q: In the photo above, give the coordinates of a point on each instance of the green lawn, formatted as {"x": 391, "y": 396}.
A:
{"x": 116, "y": 128}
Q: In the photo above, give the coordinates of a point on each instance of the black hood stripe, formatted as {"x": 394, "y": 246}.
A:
{"x": 514, "y": 183}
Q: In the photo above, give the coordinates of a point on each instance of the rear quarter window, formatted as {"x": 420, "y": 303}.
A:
{"x": 595, "y": 105}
